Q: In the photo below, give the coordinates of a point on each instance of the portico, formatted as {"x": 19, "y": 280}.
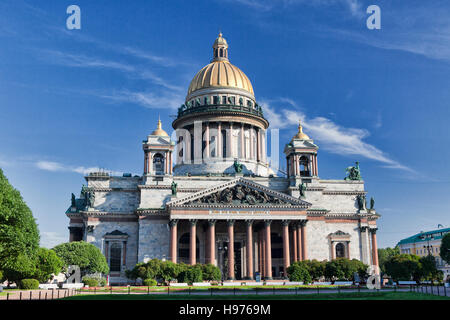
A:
{"x": 242, "y": 227}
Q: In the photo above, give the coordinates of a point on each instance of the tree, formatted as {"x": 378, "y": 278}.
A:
{"x": 385, "y": 254}
{"x": 404, "y": 267}
{"x": 316, "y": 268}
{"x": 445, "y": 248}
{"x": 298, "y": 271}
{"x": 211, "y": 272}
{"x": 169, "y": 271}
{"x": 85, "y": 255}
{"x": 48, "y": 263}
{"x": 19, "y": 235}
{"x": 191, "y": 274}
{"x": 428, "y": 270}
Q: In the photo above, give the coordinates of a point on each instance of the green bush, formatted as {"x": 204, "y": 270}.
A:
{"x": 150, "y": 282}
{"x": 28, "y": 284}
{"x": 85, "y": 255}
{"x": 91, "y": 282}
{"x": 102, "y": 282}
{"x": 299, "y": 272}
{"x": 211, "y": 272}
{"x": 191, "y": 274}
{"x": 48, "y": 263}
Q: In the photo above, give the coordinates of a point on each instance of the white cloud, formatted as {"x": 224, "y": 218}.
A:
{"x": 161, "y": 100}
{"x": 51, "y": 239}
{"x": 331, "y": 136}
{"x": 59, "y": 167}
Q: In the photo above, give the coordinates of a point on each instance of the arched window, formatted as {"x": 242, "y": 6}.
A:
{"x": 340, "y": 250}
{"x": 304, "y": 167}
{"x": 221, "y": 52}
{"x": 115, "y": 257}
{"x": 181, "y": 147}
{"x": 158, "y": 164}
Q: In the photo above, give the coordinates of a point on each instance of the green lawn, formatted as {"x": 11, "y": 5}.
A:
{"x": 324, "y": 296}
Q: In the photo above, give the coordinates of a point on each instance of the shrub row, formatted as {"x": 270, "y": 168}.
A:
{"x": 339, "y": 269}
{"x": 165, "y": 271}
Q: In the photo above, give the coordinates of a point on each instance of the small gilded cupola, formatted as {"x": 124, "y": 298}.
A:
{"x": 158, "y": 150}
{"x": 220, "y": 49}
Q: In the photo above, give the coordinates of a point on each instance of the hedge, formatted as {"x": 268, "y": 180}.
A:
{"x": 28, "y": 284}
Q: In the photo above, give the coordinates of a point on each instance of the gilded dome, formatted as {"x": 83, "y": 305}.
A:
{"x": 220, "y": 73}
{"x": 300, "y": 135}
{"x": 159, "y": 131}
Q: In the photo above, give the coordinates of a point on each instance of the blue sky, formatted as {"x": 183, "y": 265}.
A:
{"x": 73, "y": 100}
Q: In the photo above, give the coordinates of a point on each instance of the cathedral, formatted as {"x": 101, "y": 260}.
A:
{"x": 208, "y": 195}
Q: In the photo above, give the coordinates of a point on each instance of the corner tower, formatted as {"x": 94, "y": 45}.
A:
{"x": 220, "y": 122}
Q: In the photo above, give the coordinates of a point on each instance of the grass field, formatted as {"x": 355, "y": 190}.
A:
{"x": 323, "y": 296}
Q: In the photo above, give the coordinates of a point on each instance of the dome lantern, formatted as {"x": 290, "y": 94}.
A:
{"x": 220, "y": 49}
{"x": 159, "y": 131}
{"x": 300, "y": 134}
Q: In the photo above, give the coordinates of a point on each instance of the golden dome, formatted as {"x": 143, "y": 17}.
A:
{"x": 159, "y": 131}
{"x": 220, "y": 72}
{"x": 300, "y": 135}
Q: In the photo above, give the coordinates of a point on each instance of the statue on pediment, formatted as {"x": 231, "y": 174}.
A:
{"x": 353, "y": 172}
{"x": 237, "y": 166}
{"x": 361, "y": 202}
{"x": 372, "y": 203}
{"x": 173, "y": 187}
{"x": 73, "y": 202}
{"x": 302, "y": 189}
{"x": 239, "y": 194}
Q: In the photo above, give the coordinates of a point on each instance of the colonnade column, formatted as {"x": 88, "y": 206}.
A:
{"x": 294, "y": 242}
{"x": 286, "y": 253}
{"x": 242, "y": 154}
{"x": 173, "y": 240}
{"x": 299, "y": 241}
{"x": 268, "y": 250}
{"x": 250, "y": 249}
{"x": 219, "y": 140}
{"x": 304, "y": 244}
{"x": 212, "y": 241}
{"x": 374, "y": 247}
{"x": 258, "y": 144}
{"x": 231, "y": 250}
{"x": 252, "y": 151}
{"x": 193, "y": 243}
{"x": 230, "y": 149}
{"x": 207, "y": 153}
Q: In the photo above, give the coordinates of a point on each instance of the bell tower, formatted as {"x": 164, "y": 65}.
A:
{"x": 301, "y": 158}
{"x": 158, "y": 150}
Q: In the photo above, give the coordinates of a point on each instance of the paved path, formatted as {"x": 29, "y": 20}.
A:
{"x": 61, "y": 293}
{"x": 37, "y": 294}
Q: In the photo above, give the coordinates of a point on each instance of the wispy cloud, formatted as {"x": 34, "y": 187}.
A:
{"x": 332, "y": 137}
{"x": 161, "y": 100}
{"x": 59, "y": 167}
{"x": 51, "y": 239}
{"x": 352, "y": 6}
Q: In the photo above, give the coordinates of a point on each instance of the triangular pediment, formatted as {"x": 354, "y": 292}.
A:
{"x": 237, "y": 193}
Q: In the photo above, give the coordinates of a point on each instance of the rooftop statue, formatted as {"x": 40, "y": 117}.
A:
{"x": 237, "y": 166}
{"x": 174, "y": 188}
{"x": 73, "y": 201}
{"x": 302, "y": 189}
{"x": 353, "y": 173}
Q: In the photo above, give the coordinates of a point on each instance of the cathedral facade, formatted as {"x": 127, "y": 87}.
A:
{"x": 210, "y": 196}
